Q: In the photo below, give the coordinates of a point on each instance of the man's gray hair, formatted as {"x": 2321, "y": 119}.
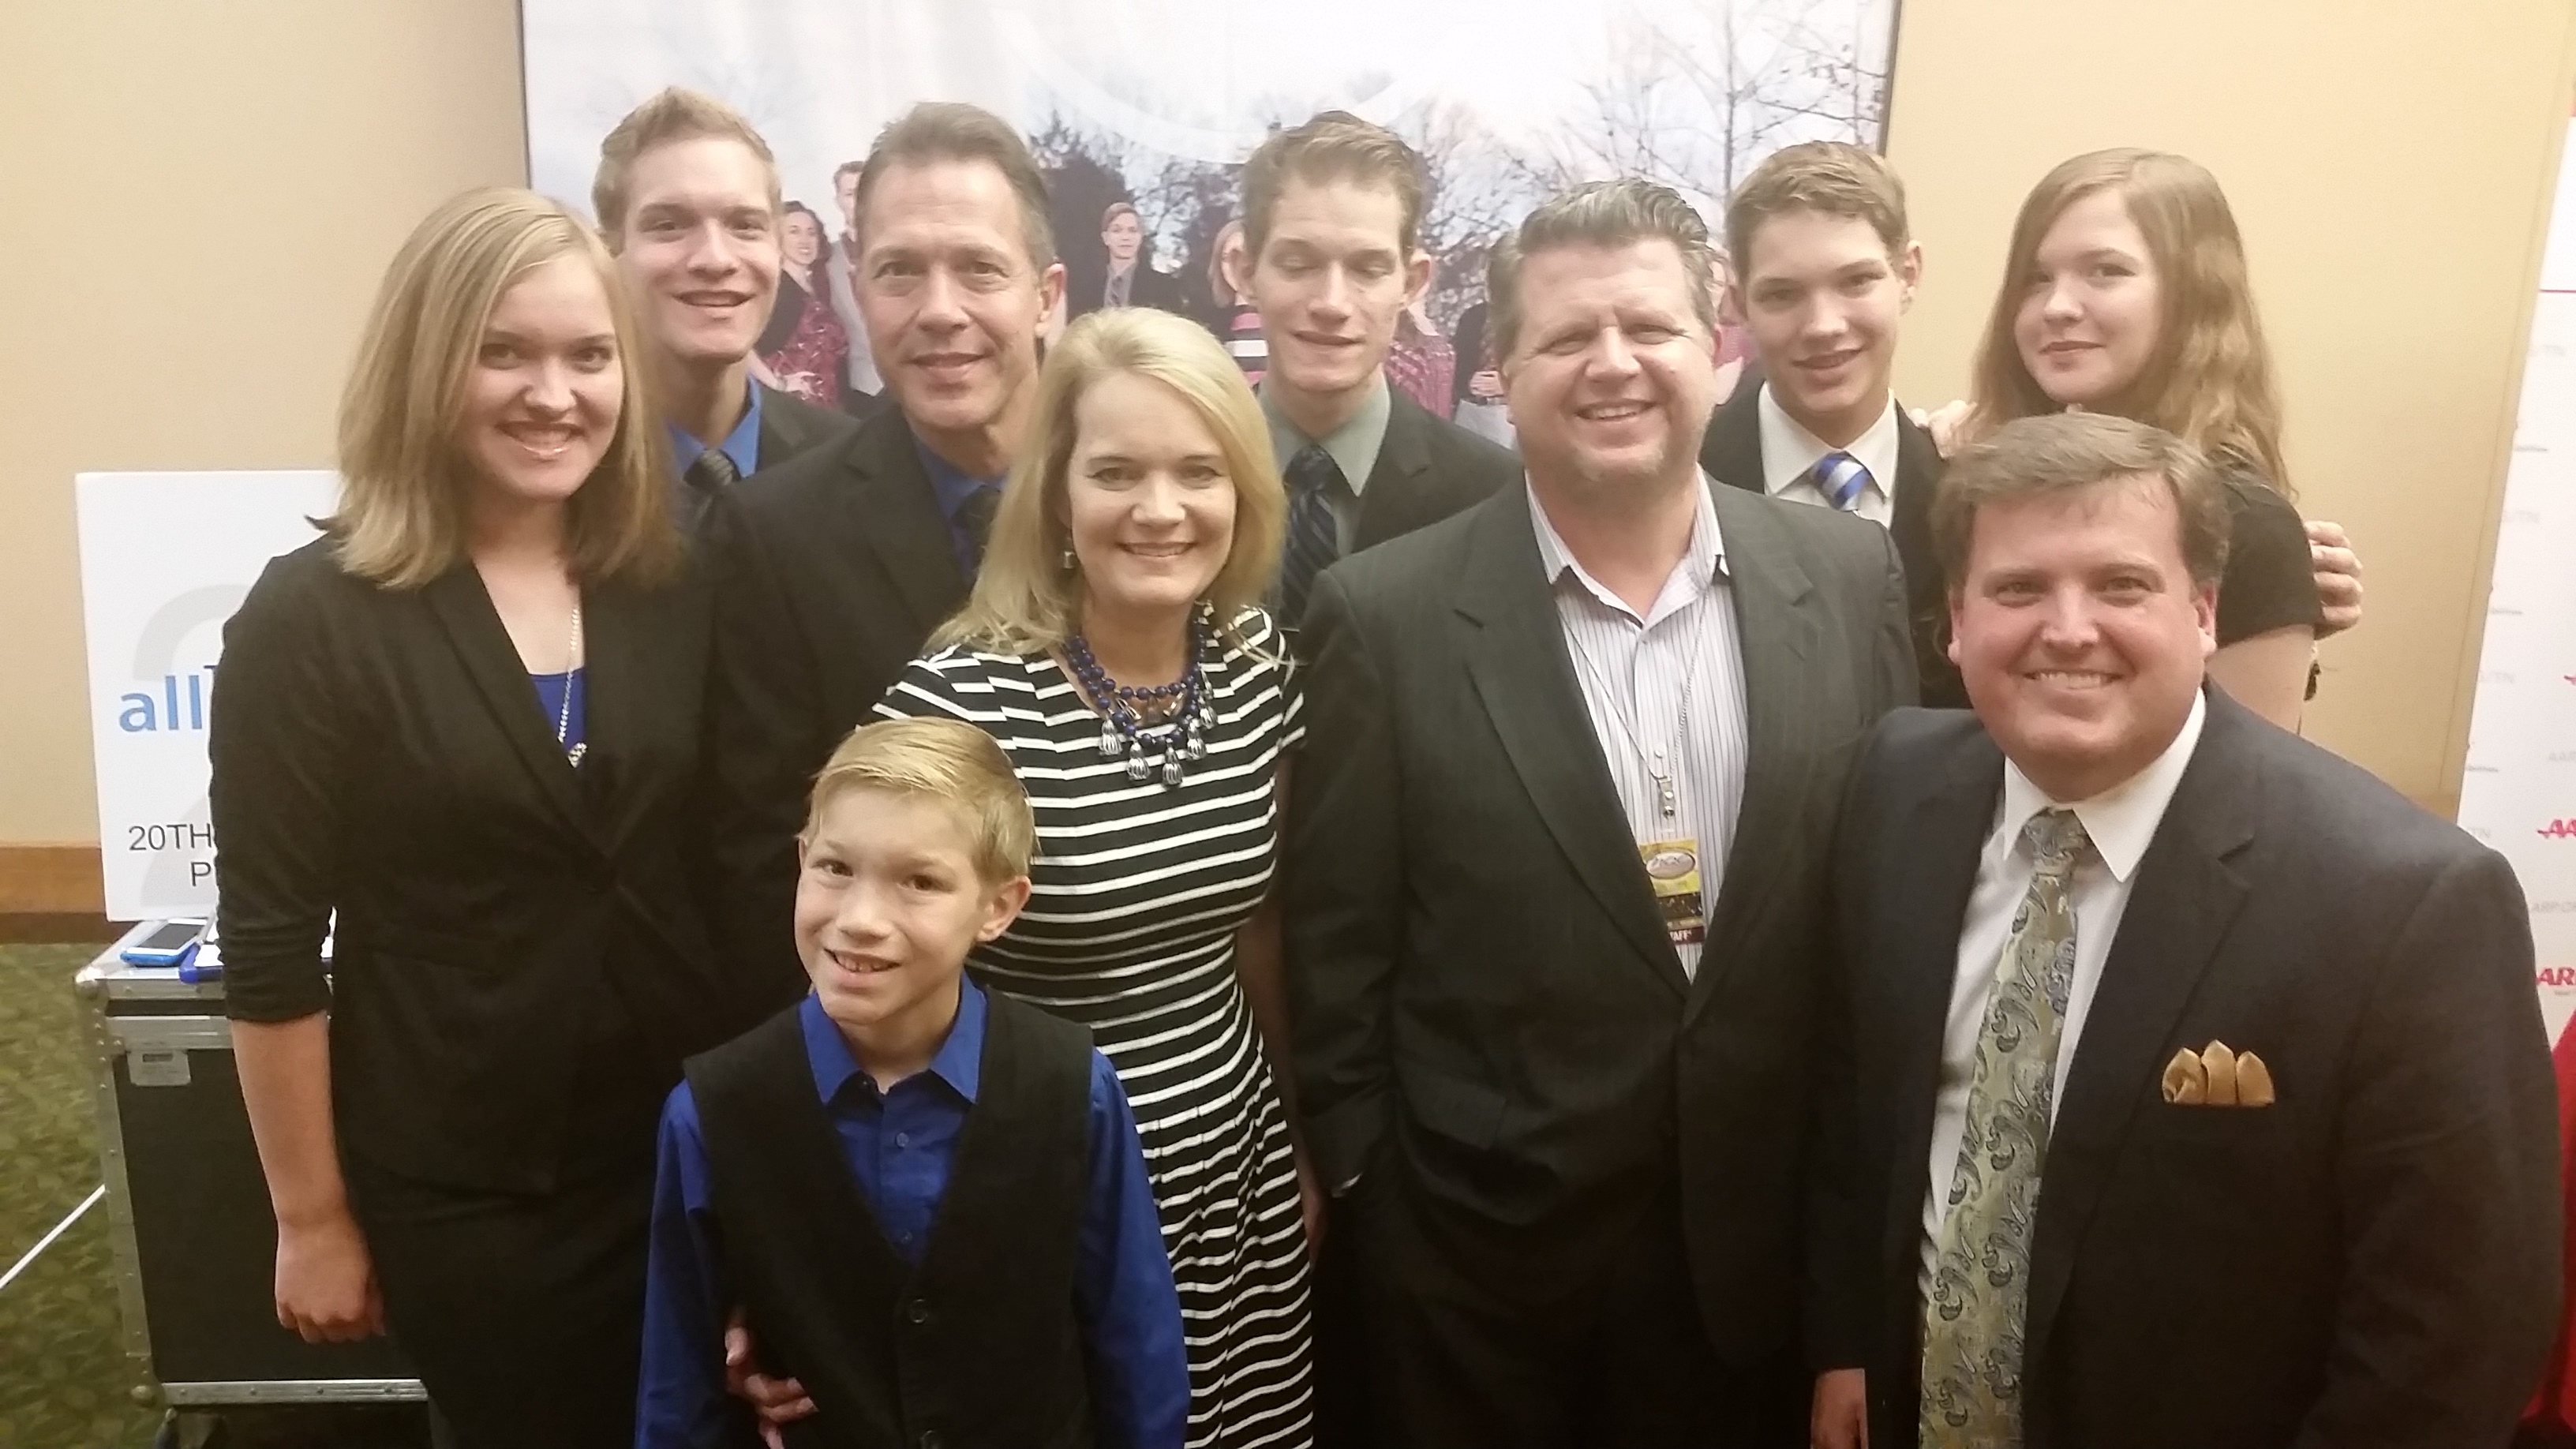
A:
{"x": 1601, "y": 214}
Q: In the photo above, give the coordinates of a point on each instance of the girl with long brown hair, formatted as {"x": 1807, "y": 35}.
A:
{"x": 2126, "y": 291}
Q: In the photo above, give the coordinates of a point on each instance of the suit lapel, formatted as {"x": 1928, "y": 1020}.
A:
{"x": 1517, "y": 658}
{"x": 1778, "y": 636}
{"x": 1936, "y": 860}
{"x": 464, "y": 610}
{"x": 1731, "y": 450}
{"x": 2186, "y": 895}
{"x": 1394, "y": 500}
{"x": 891, "y": 507}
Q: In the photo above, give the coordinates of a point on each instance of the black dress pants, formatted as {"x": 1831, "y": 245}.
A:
{"x": 1483, "y": 1337}
{"x": 523, "y": 1313}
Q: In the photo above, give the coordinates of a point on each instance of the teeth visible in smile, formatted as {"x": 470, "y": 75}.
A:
{"x": 2072, "y": 678}
{"x": 1612, "y": 412}
{"x": 860, "y": 965}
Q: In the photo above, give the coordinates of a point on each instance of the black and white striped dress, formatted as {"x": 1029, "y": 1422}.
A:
{"x": 1138, "y": 889}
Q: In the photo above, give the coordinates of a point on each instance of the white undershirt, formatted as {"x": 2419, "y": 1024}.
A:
{"x": 2121, "y": 822}
{"x": 1790, "y": 454}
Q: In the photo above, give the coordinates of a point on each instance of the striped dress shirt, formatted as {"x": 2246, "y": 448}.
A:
{"x": 1665, "y": 692}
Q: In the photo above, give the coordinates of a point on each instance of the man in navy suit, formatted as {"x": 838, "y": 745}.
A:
{"x": 2184, "y": 1084}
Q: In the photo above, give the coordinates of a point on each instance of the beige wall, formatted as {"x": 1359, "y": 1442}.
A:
{"x": 201, "y": 197}
{"x": 2390, "y": 163}
{"x": 200, "y": 200}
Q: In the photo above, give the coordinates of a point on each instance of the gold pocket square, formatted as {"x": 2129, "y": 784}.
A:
{"x": 2217, "y": 1077}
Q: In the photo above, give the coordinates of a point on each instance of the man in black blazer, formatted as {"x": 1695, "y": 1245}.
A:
{"x": 1128, "y": 278}
{"x": 1555, "y": 883}
{"x": 830, "y": 570}
{"x": 1824, "y": 270}
{"x": 1332, "y": 223}
{"x": 687, "y": 199}
{"x": 2257, "y": 1035}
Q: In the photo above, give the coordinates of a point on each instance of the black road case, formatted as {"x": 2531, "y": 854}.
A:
{"x": 194, "y": 1241}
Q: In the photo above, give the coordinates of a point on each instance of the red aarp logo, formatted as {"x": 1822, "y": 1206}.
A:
{"x": 2559, "y": 830}
{"x": 2556, "y": 976}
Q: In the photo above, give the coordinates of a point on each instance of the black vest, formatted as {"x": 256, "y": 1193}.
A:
{"x": 977, "y": 1345}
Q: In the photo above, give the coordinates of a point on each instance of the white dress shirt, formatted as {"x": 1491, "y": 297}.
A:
{"x": 2120, "y": 822}
{"x": 1665, "y": 692}
{"x": 1790, "y": 454}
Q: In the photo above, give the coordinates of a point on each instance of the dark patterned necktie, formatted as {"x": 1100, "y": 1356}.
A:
{"x": 710, "y": 473}
{"x": 975, "y": 518}
{"x": 1973, "y": 1322}
{"x": 1314, "y": 540}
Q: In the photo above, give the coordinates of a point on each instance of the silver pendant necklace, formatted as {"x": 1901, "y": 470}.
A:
{"x": 563, "y": 717}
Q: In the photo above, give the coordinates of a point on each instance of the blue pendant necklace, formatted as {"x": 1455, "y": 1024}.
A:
{"x": 1186, "y": 710}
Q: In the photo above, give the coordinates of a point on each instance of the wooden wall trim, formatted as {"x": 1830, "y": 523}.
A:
{"x": 51, "y": 880}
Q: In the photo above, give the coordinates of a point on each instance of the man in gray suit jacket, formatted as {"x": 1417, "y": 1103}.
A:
{"x": 1556, "y": 881}
{"x": 2187, "y": 1085}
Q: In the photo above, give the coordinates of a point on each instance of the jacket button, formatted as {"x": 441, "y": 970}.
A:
{"x": 918, "y": 1312}
{"x": 929, "y": 1439}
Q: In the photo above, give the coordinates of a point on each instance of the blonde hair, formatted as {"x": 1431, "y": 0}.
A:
{"x": 1026, "y": 596}
{"x": 944, "y": 760}
{"x": 1830, "y": 178}
{"x": 404, "y": 476}
{"x": 2210, "y": 380}
{"x": 672, "y": 114}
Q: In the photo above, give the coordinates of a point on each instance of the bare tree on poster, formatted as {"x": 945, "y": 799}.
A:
{"x": 1696, "y": 101}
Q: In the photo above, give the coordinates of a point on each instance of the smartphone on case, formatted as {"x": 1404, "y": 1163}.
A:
{"x": 169, "y": 944}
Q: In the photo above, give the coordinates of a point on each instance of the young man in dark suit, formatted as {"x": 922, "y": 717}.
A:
{"x": 1332, "y": 217}
{"x": 687, "y": 198}
{"x": 1555, "y": 883}
{"x": 2185, "y": 1084}
{"x": 830, "y": 571}
{"x": 1824, "y": 269}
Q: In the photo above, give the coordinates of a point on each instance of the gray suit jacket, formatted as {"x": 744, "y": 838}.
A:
{"x": 1485, "y": 1002}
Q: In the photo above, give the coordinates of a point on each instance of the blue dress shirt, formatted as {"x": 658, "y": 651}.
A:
{"x": 742, "y": 445}
{"x": 900, "y": 1146}
{"x": 952, "y": 486}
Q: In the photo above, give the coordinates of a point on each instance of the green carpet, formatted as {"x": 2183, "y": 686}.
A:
{"x": 63, "y": 1374}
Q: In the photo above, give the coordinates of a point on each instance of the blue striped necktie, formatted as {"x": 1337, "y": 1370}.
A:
{"x": 1842, "y": 480}
{"x": 1313, "y": 539}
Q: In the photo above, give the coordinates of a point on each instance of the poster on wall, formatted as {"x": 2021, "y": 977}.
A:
{"x": 165, "y": 559}
{"x": 1141, "y": 113}
{"x": 2519, "y": 792}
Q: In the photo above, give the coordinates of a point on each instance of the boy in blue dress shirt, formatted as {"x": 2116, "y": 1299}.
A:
{"x": 929, "y": 1202}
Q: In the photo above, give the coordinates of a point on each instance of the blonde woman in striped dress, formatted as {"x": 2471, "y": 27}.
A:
{"x": 1115, "y": 647}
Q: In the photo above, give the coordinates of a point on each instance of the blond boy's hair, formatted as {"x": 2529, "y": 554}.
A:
{"x": 945, "y": 760}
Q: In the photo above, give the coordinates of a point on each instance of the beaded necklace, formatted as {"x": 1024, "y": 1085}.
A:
{"x": 1179, "y": 736}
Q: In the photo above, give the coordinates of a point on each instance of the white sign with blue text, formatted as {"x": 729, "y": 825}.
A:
{"x": 165, "y": 559}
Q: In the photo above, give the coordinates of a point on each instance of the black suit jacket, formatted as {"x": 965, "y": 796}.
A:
{"x": 512, "y": 932}
{"x": 1731, "y": 451}
{"x": 2371, "y": 1261}
{"x": 1485, "y": 1002}
{"x": 1427, "y": 469}
{"x": 828, "y": 571}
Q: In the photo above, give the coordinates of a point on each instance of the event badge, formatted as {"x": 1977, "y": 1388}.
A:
{"x": 1672, "y": 868}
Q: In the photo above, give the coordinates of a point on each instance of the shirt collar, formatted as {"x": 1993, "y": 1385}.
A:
{"x": 1790, "y": 453}
{"x": 2121, "y": 821}
{"x": 1703, "y": 561}
{"x": 1354, "y": 445}
{"x": 742, "y": 445}
{"x": 959, "y": 1061}
{"x": 950, "y": 484}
